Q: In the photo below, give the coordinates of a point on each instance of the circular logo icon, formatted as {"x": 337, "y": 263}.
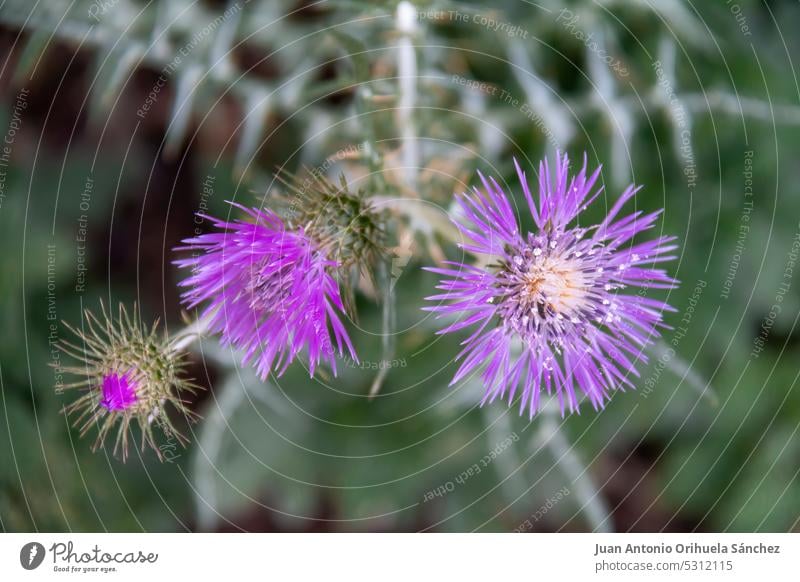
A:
{"x": 31, "y": 555}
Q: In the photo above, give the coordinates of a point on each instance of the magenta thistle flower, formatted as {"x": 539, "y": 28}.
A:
{"x": 555, "y": 309}
{"x": 268, "y": 290}
{"x": 119, "y": 391}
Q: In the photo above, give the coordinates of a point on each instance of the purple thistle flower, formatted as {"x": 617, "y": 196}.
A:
{"x": 553, "y": 309}
{"x": 119, "y": 391}
{"x": 269, "y": 291}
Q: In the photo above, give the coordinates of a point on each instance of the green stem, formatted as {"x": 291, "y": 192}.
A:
{"x": 388, "y": 339}
{"x": 189, "y": 334}
{"x": 593, "y": 506}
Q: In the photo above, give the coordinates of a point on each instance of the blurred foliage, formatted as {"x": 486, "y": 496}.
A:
{"x": 284, "y": 84}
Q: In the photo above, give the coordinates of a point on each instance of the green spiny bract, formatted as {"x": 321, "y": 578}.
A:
{"x": 345, "y": 225}
{"x": 124, "y": 355}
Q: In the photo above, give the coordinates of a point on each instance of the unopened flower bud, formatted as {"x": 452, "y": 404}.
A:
{"x": 127, "y": 374}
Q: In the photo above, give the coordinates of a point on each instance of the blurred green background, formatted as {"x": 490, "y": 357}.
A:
{"x": 122, "y": 118}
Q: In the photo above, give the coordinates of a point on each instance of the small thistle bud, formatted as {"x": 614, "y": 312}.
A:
{"x": 127, "y": 373}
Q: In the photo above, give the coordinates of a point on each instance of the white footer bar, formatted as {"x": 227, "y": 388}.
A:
{"x": 407, "y": 557}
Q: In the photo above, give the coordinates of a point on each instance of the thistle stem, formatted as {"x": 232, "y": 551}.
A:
{"x": 407, "y": 74}
{"x": 192, "y": 332}
{"x": 388, "y": 339}
{"x": 592, "y": 506}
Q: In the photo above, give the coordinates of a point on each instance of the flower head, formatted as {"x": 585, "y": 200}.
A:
{"x": 555, "y": 309}
{"x": 268, "y": 289}
{"x": 127, "y": 373}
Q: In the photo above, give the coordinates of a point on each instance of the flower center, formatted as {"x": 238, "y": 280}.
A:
{"x": 266, "y": 289}
{"x": 270, "y": 279}
{"x": 551, "y": 285}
